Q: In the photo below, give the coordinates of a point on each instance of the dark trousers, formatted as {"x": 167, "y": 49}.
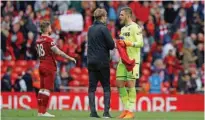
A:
{"x": 103, "y": 75}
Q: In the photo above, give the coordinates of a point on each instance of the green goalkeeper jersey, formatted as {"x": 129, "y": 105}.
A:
{"x": 133, "y": 33}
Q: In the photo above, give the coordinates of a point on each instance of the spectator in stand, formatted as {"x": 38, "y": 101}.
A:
{"x": 40, "y": 5}
{"x": 6, "y": 81}
{"x": 28, "y": 80}
{"x": 189, "y": 41}
{"x": 5, "y": 27}
{"x": 88, "y": 19}
{"x": 186, "y": 84}
{"x": 163, "y": 30}
{"x": 181, "y": 21}
{"x": 146, "y": 47}
{"x": 29, "y": 25}
{"x": 71, "y": 49}
{"x": 111, "y": 12}
{"x": 30, "y": 48}
{"x": 171, "y": 64}
{"x": 161, "y": 68}
{"x": 150, "y": 25}
{"x": 144, "y": 12}
{"x": 156, "y": 50}
{"x": 199, "y": 52}
{"x": 84, "y": 50}
{"x": 76, "y": 5}
{"x": 202, "y": 74}
{"x": 20, "y": 84}
{"x": 170, "y": 13}
{"x": 166, "y": 48}
{"x": 8, "y": 9}
{"x": 155, "y": 82}
{"x": 16, "y": 39}
{"x": 197, "y": 24}
{"x": 62, "y": 6}
{"x": 121, "y": 5}
{"x": 58, "y": 82}
{"x": 188, "y": 57}
{"x": 196, "y": 8}
{"x": 198, "y": 82}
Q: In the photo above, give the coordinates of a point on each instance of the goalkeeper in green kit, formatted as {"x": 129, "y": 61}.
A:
{"x": 133, "y": 41}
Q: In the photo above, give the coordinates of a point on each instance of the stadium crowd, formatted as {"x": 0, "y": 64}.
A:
{"x": 172, "y": 56}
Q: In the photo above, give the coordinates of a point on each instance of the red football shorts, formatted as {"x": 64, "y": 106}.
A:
{"x": 47, "y": 79}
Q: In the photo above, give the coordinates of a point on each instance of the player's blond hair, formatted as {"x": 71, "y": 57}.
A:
{"x": 99, "y": 13}
{"x": 44, "y": 25}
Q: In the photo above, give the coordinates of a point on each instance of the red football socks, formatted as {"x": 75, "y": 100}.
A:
{"x": 43, "y": 98}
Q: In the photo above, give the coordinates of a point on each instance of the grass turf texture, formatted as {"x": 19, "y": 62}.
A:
{"x": 83, "y": 115}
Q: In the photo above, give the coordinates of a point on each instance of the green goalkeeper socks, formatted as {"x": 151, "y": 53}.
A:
{"x": 131, "y": 98}
{"x": 124, "y": 97}
{"x": 128, "y": 98}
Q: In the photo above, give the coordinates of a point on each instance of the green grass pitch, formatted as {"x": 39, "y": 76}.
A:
{"x": 83, "y": 115}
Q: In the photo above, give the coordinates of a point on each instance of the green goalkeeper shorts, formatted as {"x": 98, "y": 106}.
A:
{"x": 123, "y": 74}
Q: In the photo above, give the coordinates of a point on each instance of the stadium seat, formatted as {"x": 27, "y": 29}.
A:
{"x": 146, "y": 65}
{"x": 83, "y": 79}
{"x": 166, "y": 84}
{"x": 150, "y": 58}
{"x": 31, "y": 63}
{"x": 74, "y": 83}
{"x": 22, "y": 63}
{"x": 4, "y": 68}
{"x": 74, "y": 76}
{"x": 2, "y": 63}
{"x": 84, "y": 71}
{"x": 146, "y": 72}
{"x": 18, "y": 70}
{"x": 112, "y": 78}
{"x": 143, "y": 78}
{"x": 9, "y": 63}
{"x": 75, "y": 70}
{"x": 113, "y": 83}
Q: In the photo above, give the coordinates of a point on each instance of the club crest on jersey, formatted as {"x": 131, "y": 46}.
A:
{"x": 52, "y": 43}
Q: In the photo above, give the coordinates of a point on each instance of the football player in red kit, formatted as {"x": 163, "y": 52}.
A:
{"x": 47, "y": 49}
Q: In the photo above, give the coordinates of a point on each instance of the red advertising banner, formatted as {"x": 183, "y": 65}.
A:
{"x": 79, "y": 101}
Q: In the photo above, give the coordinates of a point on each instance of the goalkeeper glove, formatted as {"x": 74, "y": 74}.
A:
{"x": 125, "y": 43}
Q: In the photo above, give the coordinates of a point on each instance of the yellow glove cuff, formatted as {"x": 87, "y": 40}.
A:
{"x": 128, "y": 43}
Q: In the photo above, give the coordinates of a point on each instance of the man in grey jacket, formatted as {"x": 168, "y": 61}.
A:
{"x": 99, "y": 43}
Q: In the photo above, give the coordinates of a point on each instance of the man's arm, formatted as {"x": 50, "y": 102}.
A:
{"x": 57, "y": 51}
{"x": 137, "y": 34}
{"x": 108, "y": 38}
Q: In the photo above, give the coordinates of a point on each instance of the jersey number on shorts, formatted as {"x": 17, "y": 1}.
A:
{"x": 40, "y": 50}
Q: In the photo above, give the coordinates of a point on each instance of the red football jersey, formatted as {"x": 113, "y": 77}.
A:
{"x": 46, "y": 55}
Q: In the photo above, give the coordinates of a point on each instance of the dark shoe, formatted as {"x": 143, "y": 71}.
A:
{"x": 106, "y": 115}
{"x": 94, "y": 115}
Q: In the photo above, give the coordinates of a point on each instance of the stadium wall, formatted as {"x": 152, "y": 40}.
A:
{"x": 79, "y": 101}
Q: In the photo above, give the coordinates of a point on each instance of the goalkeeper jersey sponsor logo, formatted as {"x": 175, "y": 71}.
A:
{"x": 126, "y": 34}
